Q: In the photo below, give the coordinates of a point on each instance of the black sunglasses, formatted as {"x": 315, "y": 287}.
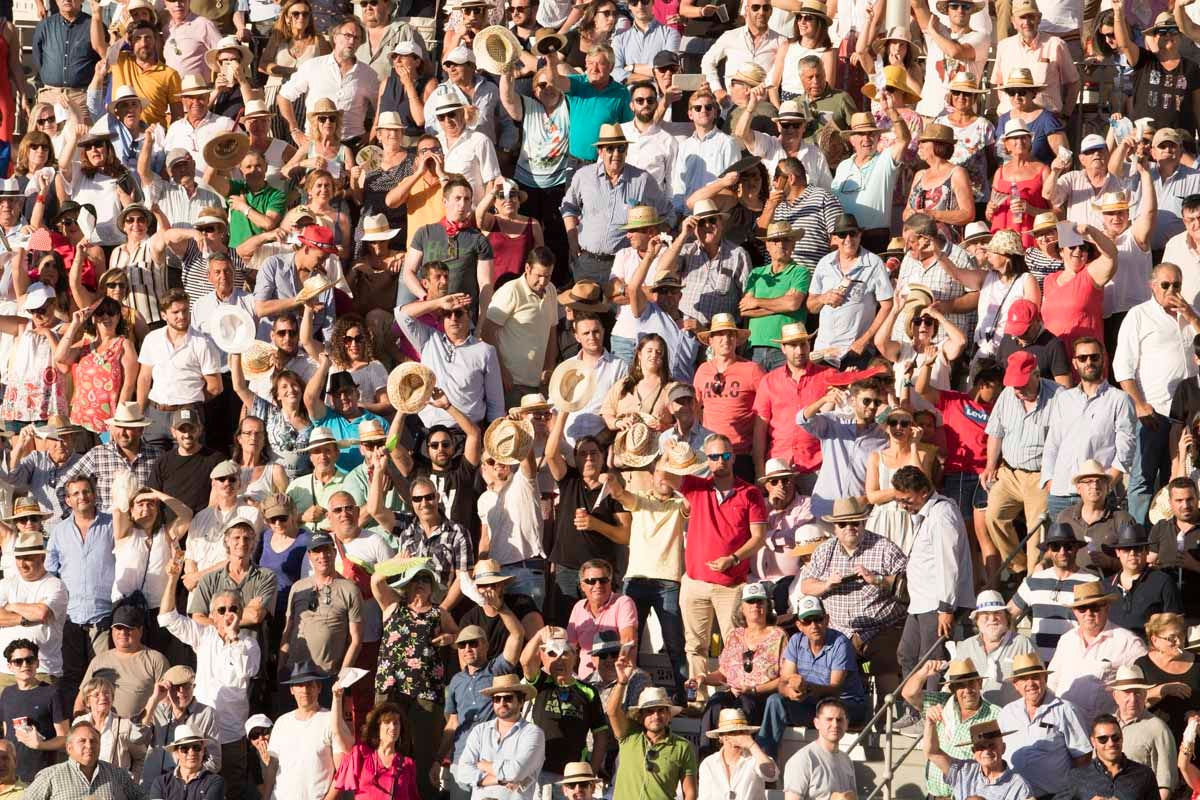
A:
{"x": 593, "y": 581}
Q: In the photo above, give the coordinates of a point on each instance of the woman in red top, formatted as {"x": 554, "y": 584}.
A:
{"x": 1023, "y": 174}
{"x": 380, "y": 767}
{"x": 511, "y": 234}
{"x": 1073, "y": 299}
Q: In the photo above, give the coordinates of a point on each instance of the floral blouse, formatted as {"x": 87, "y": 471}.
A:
{"x": 409, "y": 663}
{"x": 763, "y": 661}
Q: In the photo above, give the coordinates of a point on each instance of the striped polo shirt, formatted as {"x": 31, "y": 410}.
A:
{"x": 1045, "y": 596}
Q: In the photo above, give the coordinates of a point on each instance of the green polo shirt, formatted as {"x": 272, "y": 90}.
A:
{"x": 653, "y": 772}
{"x": 766, "y": 285}
{"x": 265, "y": 199}
{"x": 590, "y": 109}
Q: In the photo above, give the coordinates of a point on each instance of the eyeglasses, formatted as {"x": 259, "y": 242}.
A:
{"x": 704, "y": 107}
{"x": 719, "y": 456}
{"x": 871, "y": 402}
{"x": 475, "y": 643}
{"x": 441, "y": 444}
{"x": 790, "y": 126}
{"x": 46, "y": 121}
{"x": 353, "y": 339}
{"x": 299, "y": 14}
{"x": 277, "y": 520}
{"x": 899, "y": 423}
{"x": 194, "y": 747}
{"x": 226, "y": 479}
{"x": 347, "y": 509}
{"x": 1018, "y": 92}
{"x": 1092, "y": 609}
{"x": 24, "y": 660}
{"x": 504, "y": 698}
{"x": 1057, "y": 547}
{"x": 1168, "y": 286}
{"x": 1105, "y": 738}
{"x": 284, "y": 333}
{"x": 594, "y": 581}
{"x": 424, "y": 498}
{"x": 326, "y": 118}
{"x": 1088, "y": 358}
{"x": 613, "y": 148}
{"x": 645, "y": 101}
{"x": 804, "y": 623}
{"x": 229, "y": 610}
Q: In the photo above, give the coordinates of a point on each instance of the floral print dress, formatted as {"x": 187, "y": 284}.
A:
{"x": 409, "y": 664}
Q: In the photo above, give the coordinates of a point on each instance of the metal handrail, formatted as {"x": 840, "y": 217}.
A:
{"x": 889, "y": 702}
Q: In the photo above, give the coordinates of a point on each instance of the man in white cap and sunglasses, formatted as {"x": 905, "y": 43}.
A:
{"x": 992, "y": 649}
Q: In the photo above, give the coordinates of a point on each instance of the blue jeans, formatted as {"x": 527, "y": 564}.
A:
{"x": 782, "y": 712}
{"x": 529, "y": 577}
{"x": 768, "y": 357}
{"x": 1057, "y": 503}
{"x": 963, "y": 488}
{"x": 623, "y": 349}
{"x": 663, "y": 597}
{"x": 1151, "y": 467}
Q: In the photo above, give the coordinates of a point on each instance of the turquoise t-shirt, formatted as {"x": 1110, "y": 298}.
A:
{"x": 590, "y": 109}
{"x": 345, "y": 429}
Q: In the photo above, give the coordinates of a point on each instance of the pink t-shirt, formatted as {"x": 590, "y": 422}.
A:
{"x": 617, "y": 614}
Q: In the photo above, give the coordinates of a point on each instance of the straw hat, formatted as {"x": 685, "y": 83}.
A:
{"x": 375, "y": 228}
{"x": 943, "y": 6}
{"x": 961, "y": 672}
{"x": 487, "y": 573}
{"x": 547, "y": 41}
{"x": 320, "y": 436}
{"x": 776, "y": 468}
{"x": 1129, "y": 678}
{"x": 323, "y": 107}
{"x": 1020, "y": 78}
{"x": 809, "y": 537}
{"x": 653, "y": 697}
{"x": 577, "y": 772}
{"x": 847, "y": 509}
{"x": 861, "y": 122}
{"x": 496, "y": 48}
{"x": 258, "y": 358}
{"x": 815, "y": 8}
{"x": 233, "y": 328}
{"x": 894, "y": 77}
{"x": 965, "y": 81}
{"x": 1090, "y": 469}
{"x": 507, "y": 441}
{"x": 410, "y": 386}
{"x": 194, "y": 86}
{"x": 635, "y": 446}
{"x": 1006, "y": 243}
{"x": 509, "y": 684}
{"x": 919, "y": 293}
{"x": 750, "y": 73}
{"x": 732, "y": 720}
{"x": 256, "y": 108}
{"x": 723, "y": 322}
{"x": 370, "y": 430}
{"x": 120, "y": 95}
{"x": 678, "y": 458}
{"x": 1086, "y": 594}
{"x": 639, "y": 217}
{"x": 228, "y": 44}
{"x": 29, "y": 543}
{"x": 897, "y": 34}
{"x": 1163, "y": 22}
{"x": 1026, "y": 664}
{"x": 27, "y": 508}
{"x": 790, "y": 110}
{"x": 185, "y": 734}
{"x": 128, "y": 415}
{"x": 707, "y": 208}
{"x": 610, "y": 134}
{"x": 895, "y": 246}
{"x": 1044, "y": 222}
{"x": 530, "y": 403}
{"x": 584, "y": 296}
{"x": 936, "y": 132}
{"x": 983, "y": 731}
{"x": 783, "y": 231}
{"x": 793, "y": 333}
{"x": 572, "y": 386}
{"x": 1112, "y": 201}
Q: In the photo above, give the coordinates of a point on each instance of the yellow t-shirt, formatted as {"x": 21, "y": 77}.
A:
{"x": 156, "y": 86}
{"x": 656, "y": 537}
{"x": 425, "y": 206}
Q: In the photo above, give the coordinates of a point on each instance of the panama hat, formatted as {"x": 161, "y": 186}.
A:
{"x": 324, "y": 107}
{"x": 895, "y": 246}
{"x": 258, "y": 358}
{"x": 534, "y": 401}
{"x": 982, "y": 731}
{"x": 793, "y": 333}
{"x": 1163, "y": 22}
{"x": 936, "y": 132}
{"x": 29, "y": 543}
{"x": 897, "y": 34}
{"x": 27, "y": 508}
{"x": 1020, "y": 78}
{"x": 194, "y": 85}
{"x": 961, "y": 672}
{"x": 894, "y": 77}
{"x": 776, "y": 468}
{"x": 943, "y": 6}
{"x": 370, "y": 430}
{"x": 233, "y": 329}
{"x": 572, "y": 385}
{"x": 732, "y": 720}
{"x": 635, "y": 446}
{"x": 509, "y": 684}
{"x": 783, "y": 232}
{"x": 708, "y": 208}
{"x": 508, "y": 441}
{"x": 815, "y": 8}
{"x": 577, "y": 772}
{"x": 487, "y": 573}
{"x": 790, "y": 111}
{"x": 919, "y": 294}
{"x": 410, "y": 386}
{"x": 678, "y": 458}
{"x": 1086, "y": 594}
{"x": 57, "y": 427}
{"x": 122, "y": 94}
{"x": 313, "y": 285}
{"x": 723, "y": 323}
{"x": 320, "y": 436}
{"x": 750, "y": 74}
{"x": 1026, "y": 664}
{"x": 847, "y": 509}
{"x": 965, "y": 81}
{"x": 128, "y": 415}
{"x": 1006, "y": 243}
{"x": 1112, "y": 201}
{"x": 987, "y": 602}
{"x": 862, "y": 122}
{"x": 1129, "y": 678}
{"x": 609, "y": 135}
{"x": 1090, "y": 468}
{"x": 185, "y": 734}
{"x": 256, "y": 108}
{"x": 639, "y": 217}
{"x": 548, "y": 40}
{"x": 653, "y": 697}
{"x": 1044, "y": 221}
{"x": 584, "y": 296}
{"x": 496, "y": 48}
{"x": 375, "y": 228}
{"x": 225, "y": 150}
{"x": 391, "y": 120}
{"x": 228, "y": 44}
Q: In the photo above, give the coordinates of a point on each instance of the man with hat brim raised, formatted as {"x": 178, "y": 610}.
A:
{"x": 654, "y": 293}
{"x": 343, "y": 413}
{"x": 37, "y": 596}
{"x": 865, "y": 182}
{"x": 1044, "y": 763}
{"x": 174, "y": 704}
{"x": 645, "y": 726}
{"x": 38, "y": 470}
{"x": 791, "y": 122}
{"x": 1141, "y": 590}
{"x": 994, "y": 646}
{"x": 949, "y": 31}
{"x": 703, "y": 155}
{"x": 1055, "y": 62}
{"x": 1162, "y": 54}
{"x": 192, "y": 773}
{"x": 844, "y": 442}
{"x": 126, "y": 450}
{"x": 789, "y": 523}
{"x": 281, "y": 279}
{"x": 962, "y": 708}
{"x": 777, "y": 292}
{"x": 596, "y": 188}
{"x": 524, "y": 742}
{"x": 198, "y": 123}
{"x": 579, "y": 781}
{"x": 1094, "y": 647}
{"x": 980, "y": 769}
{"x": 727, "y": 385}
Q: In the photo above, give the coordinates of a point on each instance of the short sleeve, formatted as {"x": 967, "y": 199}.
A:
{"x": 503, "y": 304}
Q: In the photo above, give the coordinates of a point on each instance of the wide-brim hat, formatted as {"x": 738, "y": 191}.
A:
{"x": 255, "y": 108}
{"x": 313, "y": 286}
{"x": 678, "y": 458}
{"x": 918, "y": 294}
{"x": 862, "y": 122}
{"x": 746, "y": 163}
{"x": 1130, "y": 677}
{"x": 577, "y": 772}
{"x": 128, "y": 415}
{"x": 496, "y": 48}
{"x": 584, "y": 295}
{"x": 572, "y": 386}
{"x": 410, "y": 386}
{"x": 942, "y": 6}
{"x": 815, "y": 8}
{"x": 319, "y": 436}
{"x": 1164, "y": 21}
{"x": 897, "y": 34}
{"x": 1044, "y": 222}
{"x": 185, "y": 734}
{"x": 963, "y": 671}
{"x": 226, "y": 150}
{"x": 636, "y": 446}
{"x": 508, "y": 441}
{"x": 790, "y": 111}
{"x": 1020, "y": 78}
{"x": 131, "y": 208}
{"x": 534, "y": 401}
{"x": 323, "y": 107}
{"x": 1090, "y": 593}
{"x": 1130, "y": 536}
{"x": 401, "y": 571}
{"x": 375, "y": 228}
{"x": 233, "y": 329}
{"x": 228, "y": 43}
{"x": 548, "y": 40}
{"x": 894, "y": 77}
{"x": 305, "y": 672}
{"x": 895, "y": 247}
{"x": 776, "y": 468}
{"x": 27, "y": 508}
{"x": 194, "y": 86}
{"x": 1005, "y": 242}
{"x": 847, "y": 509}
{"x": 653, "y": 697}
{"x": 984, "y": 730}
{"x": 937, "y": 132}
{"x": 640, "y": 217}
{"x": 610, "y": 134}
{"x": 29, "y": 543}
{"x": 792, "y": 333}
{"x": 732, "y": 720}
{"x": 1026, "y": 664}
{"x": 707, "y": 208}
{"x": 120, "y": 95}
{"x": 1059, "y": 533}
{"x": 257, "y": 358}
{"x": 964, "y": 81}
{"x": 782, "y": 231}
{"x": 1091, "y": 468}
{"x": 509, "y": 684}
{"x": 723, "y": 323}
{"x": 750, "y": 74}
{"x": 487, "y": 572}
{"x": 1111, "y": 201}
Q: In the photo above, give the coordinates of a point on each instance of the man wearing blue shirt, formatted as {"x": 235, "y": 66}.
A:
{"x": 819, "y": 662}
{"x": 507, "y": 751}
{"x": 344, "y": 415}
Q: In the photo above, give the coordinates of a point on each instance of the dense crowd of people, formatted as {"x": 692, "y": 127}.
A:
{"x": 743, "y": 360}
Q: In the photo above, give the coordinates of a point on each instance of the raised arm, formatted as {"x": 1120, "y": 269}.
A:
{"x": 555, "y": 461}
{"x": 1104, "y": 267}
{"x": 314, "y": 390}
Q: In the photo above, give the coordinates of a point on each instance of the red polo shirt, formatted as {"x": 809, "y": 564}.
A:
{"x": 719, "y": 527}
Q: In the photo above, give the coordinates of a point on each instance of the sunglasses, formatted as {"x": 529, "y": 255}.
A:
{"x": 451, "y": 114}
{"x": 1092, "y": 609}
{"x": 1169, "y": 286}
{"x": 227, "y": 479}
{"x": 704, "y": 107}
{"x": 925, "y": 322}
{"x": 871, "y": 402}
{"x": 284, "y": 333}
{"x": 135, "y": 218}
{"x": 441, "y": 444}
{"x": 804, "y": 623}
{"x": 613, "y": 148}
{"x": 1105, "y": 738}
{"x": 194, "y": 747}
{"x": 1088, "y": 358}
{"x": 1058, "y": 547}
{"x": 298, "y": 14}
{"x": 472, "y": 643}
{"x": 207, "y": 228}
{"x": 720, "y": 456}
{"x": 424, "y": 498}
{"x": 39, "y": 147}
{"x": 45, "y": 121}
{"x": 645, "y": 101}
{"x": 326, "y": 118}
{"x": 229, "y": 610}
{"x": 457, "y": 313}
{"x": 20, "y": 662}
{"x": 94, "y": 146}
{"x": 277, "y": 520}
{"x": 808, "y": 18}
{"x": 899, "y": 423}
{"x": 1018, "y": 92}
{"x": 593, "y": 581}
{"x": 354, "y": 339}
{"x": 504, "y": 698}
{"x": 777, "y": 481}
{"x": 790, "y": 126}
{"x": 350, "y": 509}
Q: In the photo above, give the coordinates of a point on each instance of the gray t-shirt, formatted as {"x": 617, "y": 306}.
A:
{"x": 320, "y": 622}
{"x": 815, "y": 773}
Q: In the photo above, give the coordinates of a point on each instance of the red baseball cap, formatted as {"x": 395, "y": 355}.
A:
{"x": 319, "y": 237}
{"x": 1021, "y": 365}
{"x": 1021, "y": 315}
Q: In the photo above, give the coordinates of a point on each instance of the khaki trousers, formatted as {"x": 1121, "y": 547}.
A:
{"x": 76, "y": 97}
{"x": 1015, "y": 492}
{"x": 698, "y": 602}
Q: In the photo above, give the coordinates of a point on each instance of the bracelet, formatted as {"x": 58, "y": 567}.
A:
{"x": 41, "y": 198}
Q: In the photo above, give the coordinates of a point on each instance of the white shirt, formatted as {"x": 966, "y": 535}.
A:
{"x": 1155, "y": 350}
{"x": 193, "y": 137}
{"x": 771, "y": 152}
{"x": 300, "y": 364}
{"x": 652, "y": 150}
{"x": 473, "y": 156}
{"x": 940, "y": 577}
{"x": 206, "y": 534}
{"x": 1079, "y": 672}
{"x": 514, "y": 519}
{"x": 698, "y": 162}
{"x": 368, "y": 548}
{"x": 1130, "y": 284}
{"x": 352, "y": 92}
{"x": 1180, "y": 252}
{"x": 1061, "y": 17}
{"x": 223, "y": 671}
{"x": 138, "y": 568}
{"x": 747, "y": 781}
{"x": 50, "y": 592}
{"x": 624, "y": 265}
{"x": 939, "y": 67}
{"x": 587, "y": 420}
{"x": 179, "y": 370}
{"x": 305, "y": 751}
{"x": 204, "y": 312}
{"x": 1076, "y": 192}
{"x": 738, "y": 49}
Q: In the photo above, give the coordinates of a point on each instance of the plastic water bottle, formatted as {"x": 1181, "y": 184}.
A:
{"x": 1014, "y": 195}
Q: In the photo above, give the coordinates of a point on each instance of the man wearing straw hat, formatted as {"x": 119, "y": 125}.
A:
{"x": 987, "y": 775}
{"x": 36, "y": 604}
{"x": 993, "y": 648}
{"x": 713, "y": 269}
{"x": 865, "y": 182}
{"x": 507, "y": 751}
{"x": 198, "y": 124}
{"x": 790, "y": 123}
{"x": 1147, "y": 739}
{"x": 1044, "y": 54}
{"x": 40, "y": 471}
{"x": 653, "y": 762}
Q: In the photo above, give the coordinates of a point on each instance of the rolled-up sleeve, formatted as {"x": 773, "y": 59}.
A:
{"x": 464, "y": 769}
{"x": 572, "y": 202}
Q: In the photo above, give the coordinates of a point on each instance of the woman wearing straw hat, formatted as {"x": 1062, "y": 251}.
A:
{"x": 511, "y": 234}
{"x": 895, "y": 54}
{"x": 1017, "y": 185}
{"x": 974, "y": 135}
{"x": 740, "y": 768}
{"x": 323, "y": 148}
{"x": 924, "y": 325}
{"x": 1047, "y": 133}
{"x": 1073, "y": 299}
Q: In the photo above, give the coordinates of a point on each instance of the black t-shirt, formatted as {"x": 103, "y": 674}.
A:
{"x": 1185, "y": 403}
{"x": 497, "y": 634}
{"x": 573, "y": 547}
{"x": 186, "y": 477}
{"x": 43, "y": 707}
{"x": 1049, "y": 350}
{"x": 459, "y": 491}
{"x": 566, "y": 714}
{"x": 1164, "y": 96}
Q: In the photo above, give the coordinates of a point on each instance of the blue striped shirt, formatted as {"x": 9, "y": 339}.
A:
{"x": 1022, "y": 432}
